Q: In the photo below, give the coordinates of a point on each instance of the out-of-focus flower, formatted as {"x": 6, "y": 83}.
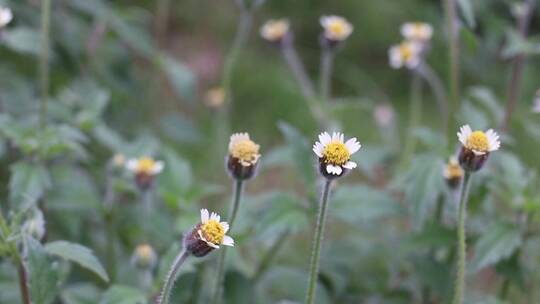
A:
{"x": 208, "y": 235}
{"x": 243, "y": 156}
{"x": 215, "y": 97}
{"x": 35, "y": 225}
{"x": 119, "y": 160}
{"x": 335, "y": 154}
{"x": 407, "y": 53}
{"x": 5, "y": 16}
{"x": 476, "y": 147}
{"x": 336, "y": 28}
{"x": 144, "y": 168}
{"x": 384, "y": 115}
{"x": 536, "y": 102}
{"x": 144, "y": 257}
{"x": 452, "y": 172}
{"x": 519, "y": 9}
{"x": 275, "y": 30}
{"x": 417, "y": 31}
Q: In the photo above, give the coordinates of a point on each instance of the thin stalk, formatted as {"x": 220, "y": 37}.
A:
{"x": 267, "y": 259}
{"x": 220, "y": 278}
{"x": 453, "y": 56}
{"x": 415, "y": 116}
{"x": 44, "y": 60}
{"x": 517, "y": 65}
{"x": 147, "y": 198}
{"x": 436, "y": 86}
{"x": 327, "y": 65}
{"x": 317, "y": 242}
{"x": 171, "y": 277}
{"x": 462, "y": 249}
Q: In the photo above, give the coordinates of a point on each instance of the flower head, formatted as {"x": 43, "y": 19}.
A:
{"x": 215, "y": 97}
{"x": 335, "y": 154}
{"x": 275, "y": 30}
{"x": 5, "y": 16}
{"x": 144, "y": 168}
{"x": 407, "y": 53}
{"x": 208, "y": 235}
{"x": 476, "y": 147}
{"x": 243, "y": 156}
{"x": 336, "y": 28}
{"x": 144, "y": 257}
{"x": 452, "y": 172}
{"x": 417, "y": 31}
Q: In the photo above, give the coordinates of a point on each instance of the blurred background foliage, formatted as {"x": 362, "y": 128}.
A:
{"x": 131, "y": 77}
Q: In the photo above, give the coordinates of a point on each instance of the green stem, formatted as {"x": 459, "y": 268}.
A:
{"x": 44, "y": 60}
{"x": 327, "y": 64}
{"x": 147, "y": 198}
{"x": 270, "y": 255}
{"x": 415, "y": 116}
{"x": 317, "y": 242}
{"x": 453, "y": 56}
{"x": 171, "y": 277}
{"x": 460, "y": 277}
{"x": 220, "y": 278}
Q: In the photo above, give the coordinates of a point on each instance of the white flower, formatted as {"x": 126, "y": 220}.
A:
{"x": 212, "y": 231}
{"x": 336, "y": 28}
{"x": 478, "y": 141}
{"x": 335, "y": 154}
{"x": 417, "y": 31}
{"x": 145, "y": 165}
{"x": 242, "y": 148}
{"x": 275, "y": 30}
{"x": 5, "y": 16}
{"x": 407, "y": 53}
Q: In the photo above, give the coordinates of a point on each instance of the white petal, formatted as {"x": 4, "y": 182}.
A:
{"x": 318, "y": 149}
{"x": 225, "y": 226}
{"x": 158, "y": 167}
{"x": 349, "y": 165}
{"x": 215, "y": 216}
{"x": 493, "y": 140}
{"x": 212, "y": 245}
{"x": 132, "y": 165}
{"x": 335, "y": 170}
{"x": 464, "y": 133}
{"x": 352, "y": 145}
{"x": 478, "y": 152}
{"x": 324, "y": 138}
{"x": 204, "y": 216}
{"x": 228, "y": 241}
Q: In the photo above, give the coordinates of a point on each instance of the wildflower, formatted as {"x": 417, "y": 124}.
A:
{"x": 384, "y": 115}
{"x": 215, "y": 97}
{"x": 536, "y": 103}
{"x": 476, "y": 147}
{"x": 407, "y": 53}
{"x": 453, "y": 173}
{"x": 35, "y": 225}
{"x": 144, "y": 257}
{"x": 335, "y": 154}
{"x": 275, "y": 30}
{"x": 417, "y": 31}
{"x": 243, "y": 156}
{"x": 336, "y": 28}
{"x": 208, "y": 235}
{"x": 145, "y": 169}
{"x": 5, "y": 16}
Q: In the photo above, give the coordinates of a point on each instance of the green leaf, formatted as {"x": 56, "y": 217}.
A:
{"x": 497, "y": 244}
{"x": 180, "y": 76}
{"x": 467, "y": 11}
{"x": 303, "y": 156}
{"x": 23, "y": 39}
{"x": 177, "y": 177}
{"x": 80, "y": 294}
{"x": 78, "y": 254}
{"x": 42, "y": 274}
{"x": 28, "y": 182}
{"x": 119, "y": 294}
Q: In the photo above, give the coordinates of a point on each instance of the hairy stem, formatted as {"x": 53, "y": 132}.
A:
{"x": 44, "y": 60}
{"x": 459, "y": 288}
{"x": 220, "y": 276}
{"x": 171, "y": 277}
{"x": 317, "y": 243}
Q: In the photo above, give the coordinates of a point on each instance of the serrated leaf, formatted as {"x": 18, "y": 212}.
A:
{"x": 497, "y": 244}
{"x": 119, "y": 294}
{"x": 78, "y": 254}
{"x": 42, "y": 276}
{"x": 28, "y": 182}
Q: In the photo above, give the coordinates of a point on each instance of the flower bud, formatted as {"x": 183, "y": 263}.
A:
{"x": 453, "y": 173}
{"x": 243, "y": 157}
{"x": 336, "y": 30}
{"x": 476, "y": 147}
{"x": 144, "y": 257}
{"x": 334, "y": 154}
{"x": 208, "y": 235}
{"x": 275, "y": 31}
{"x": 215, "y": 97}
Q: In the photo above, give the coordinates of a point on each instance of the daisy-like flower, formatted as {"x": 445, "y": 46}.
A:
{"x": 5, "y": 16}
{"x": 208, "y": 235}
{"x": 275, "y": 30}
{"x": 215, "y": 97}
{"x": 336, "y": 28}
{"x": 417, "y": 31}
{"x": 476, "y": 147}
{"x": 144, "y": 169}
{"x": 452, "y": 172}
{"x": 407, "y": 53}
{"x": 335, "y": 154}
{"x": 144, "y": 257}
{"x": 243, "y": 156}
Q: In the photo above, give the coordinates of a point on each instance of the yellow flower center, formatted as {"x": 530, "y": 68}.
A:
{"x": 245, "y": 150}
{"x": 478, "y": 141}
{"x": 406, "y": 51}
{"x": 336, "y": 153}
{"x": 146, "y": 165}
{"x": 337, "y": 28}
{"x": 213, "y": 232}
